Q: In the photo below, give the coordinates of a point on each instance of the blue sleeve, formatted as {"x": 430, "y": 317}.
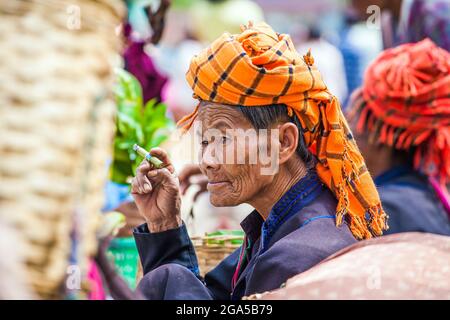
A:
{"x": 175, "y": 247}
{"x": 171, "y": 246}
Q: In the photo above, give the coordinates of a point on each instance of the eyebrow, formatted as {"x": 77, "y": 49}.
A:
{"x": 221, "y": 124}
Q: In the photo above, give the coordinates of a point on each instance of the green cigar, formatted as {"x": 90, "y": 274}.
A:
{"x": 158, "y": 164}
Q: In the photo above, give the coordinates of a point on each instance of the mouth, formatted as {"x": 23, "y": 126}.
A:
{"x": 216, "y": 184}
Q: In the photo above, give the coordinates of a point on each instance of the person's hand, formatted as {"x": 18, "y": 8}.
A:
{"x": 132, "y": 216}
{"x": 156, "y": 194}
{"x": 157, "y": 20}
{"x": 191, "y": 175}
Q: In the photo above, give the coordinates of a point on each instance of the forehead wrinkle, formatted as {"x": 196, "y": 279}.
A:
{"x": 216, "y": 115}
{"x": 219, "y": 120}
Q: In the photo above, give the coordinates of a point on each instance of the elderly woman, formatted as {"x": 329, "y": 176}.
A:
{"x": 318, "y": 199}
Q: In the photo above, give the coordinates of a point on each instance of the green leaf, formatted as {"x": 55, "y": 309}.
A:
{"x": 121, "y": 155}
{"x": 146, "y": 125}
{"x": 150, "y": 104}
{"x": 126, "y": 123}
{"x": 125, "y": 145}
{"x": 129, "y": 87}
{"x": 149, "y": 112}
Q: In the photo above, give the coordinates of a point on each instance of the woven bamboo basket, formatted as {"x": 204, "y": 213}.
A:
{"x": 211, "y": 250}
{"x": 56, "y": 127}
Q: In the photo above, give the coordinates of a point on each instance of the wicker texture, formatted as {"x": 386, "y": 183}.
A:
{"x": 211, "y": 250}
{"x": 56, "y": 127}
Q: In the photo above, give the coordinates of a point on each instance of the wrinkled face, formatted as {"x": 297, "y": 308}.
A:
{"x": 228, "y": 149}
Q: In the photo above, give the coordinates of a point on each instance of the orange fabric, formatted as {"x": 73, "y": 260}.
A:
{"x": 405, "y": 102}
{"x": 260, "y": 67}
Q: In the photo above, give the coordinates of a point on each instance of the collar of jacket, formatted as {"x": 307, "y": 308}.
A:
{"x": 300, "y": 195}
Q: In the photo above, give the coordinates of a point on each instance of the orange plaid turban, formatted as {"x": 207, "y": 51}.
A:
{"x": 260, "y": 67}
{"x": 405, "y": 102}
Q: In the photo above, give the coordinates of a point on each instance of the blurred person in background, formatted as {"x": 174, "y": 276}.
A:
{"x": 359, "y": 45}
{"x": 353, "y": 57}
{"x": 319, "y": 199}
{"x": 422, "y": 19}
{"x": 385, "y": 24}
{"x": 137, "y": 61}
{"x": 329, "y": 61}
{"x": 404, "y": 21}
{"x": 401, "y": 120}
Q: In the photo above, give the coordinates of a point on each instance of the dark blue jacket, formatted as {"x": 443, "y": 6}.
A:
{"x": 411, "y": 203}
{"x": 299, "y": 232}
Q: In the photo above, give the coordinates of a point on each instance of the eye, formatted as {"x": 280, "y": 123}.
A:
{"x": 204, "y": 143}
{"x": 225, "y": 140}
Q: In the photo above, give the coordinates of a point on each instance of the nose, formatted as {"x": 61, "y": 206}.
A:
{"x": 208, "y": 159}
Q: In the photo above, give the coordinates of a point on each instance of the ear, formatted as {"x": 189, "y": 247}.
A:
{"x": 288, "y": 138}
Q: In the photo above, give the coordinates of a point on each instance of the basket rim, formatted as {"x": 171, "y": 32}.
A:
{"x": 218, "y": 237}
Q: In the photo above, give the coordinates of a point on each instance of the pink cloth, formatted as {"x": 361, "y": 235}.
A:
{"x": 95, "y": 279}
{"x": 442, "y": 194}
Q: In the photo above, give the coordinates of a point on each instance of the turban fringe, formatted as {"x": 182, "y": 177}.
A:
{"x": 260, "y": 67}
{"x": 405, "y": 103}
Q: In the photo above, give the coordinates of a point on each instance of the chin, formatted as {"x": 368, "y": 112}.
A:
{"x": 223, "y": 200}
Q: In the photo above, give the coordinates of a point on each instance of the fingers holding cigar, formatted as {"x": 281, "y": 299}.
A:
{"x": 141, "y": 184}
{"x": 148, "y": 177}
{"x": 162, "y": 155}
{"x": 156, "y": 190}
